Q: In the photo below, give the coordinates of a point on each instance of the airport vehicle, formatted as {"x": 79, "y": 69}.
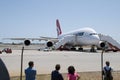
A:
{"x": 7, "y": 50}
{"x": 69, "y": 41}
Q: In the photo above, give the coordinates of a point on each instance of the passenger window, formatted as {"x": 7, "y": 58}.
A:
{"x": 80, "y": 34}
{"x": 93, "y": 33}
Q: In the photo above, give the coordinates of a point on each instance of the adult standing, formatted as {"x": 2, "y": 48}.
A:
{"x": 56, "y": 75}
{"x": 107, "y": 71}
{"x": 30, "y": 73}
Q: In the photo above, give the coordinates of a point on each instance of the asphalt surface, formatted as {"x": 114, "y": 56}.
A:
{"x": 44, "y": 62}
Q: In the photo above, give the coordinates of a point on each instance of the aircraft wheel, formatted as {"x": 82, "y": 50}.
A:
{"x": 92, "y": 50}
{"x": 80, "y": 49}
{"x": 73, "y": 49}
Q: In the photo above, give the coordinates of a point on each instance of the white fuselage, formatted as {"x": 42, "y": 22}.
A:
{"x": 80, "y": 37}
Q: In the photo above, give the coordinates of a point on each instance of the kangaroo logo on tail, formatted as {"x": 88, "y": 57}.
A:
{"x": 59, "y": 31}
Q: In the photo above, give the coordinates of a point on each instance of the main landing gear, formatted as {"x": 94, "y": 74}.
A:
{"x": 92, "y": 49}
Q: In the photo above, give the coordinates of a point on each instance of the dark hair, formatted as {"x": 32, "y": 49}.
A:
{"x": 31, "y": 63}
{"x": 57, "y": 67}
{"x": 71, "y": 70}
{"x": 107, "y": 63}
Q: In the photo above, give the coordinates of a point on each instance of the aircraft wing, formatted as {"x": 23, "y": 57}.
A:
{"x": 32, "y": 39}
{"x": 49, "y": 39}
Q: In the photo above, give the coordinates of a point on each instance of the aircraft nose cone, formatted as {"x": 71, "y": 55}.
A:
{"x": 96, "y": 39}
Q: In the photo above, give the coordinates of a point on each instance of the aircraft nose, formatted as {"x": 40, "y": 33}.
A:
{"x": 93, "y": 40}
{"x": 96, "y": 39}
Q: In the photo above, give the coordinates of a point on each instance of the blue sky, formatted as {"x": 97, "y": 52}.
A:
{"x": 34, "y": 18}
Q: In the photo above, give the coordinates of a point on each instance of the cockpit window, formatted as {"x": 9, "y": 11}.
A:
{"x": 80, "y": 34}
{"x": 93, "y": 33}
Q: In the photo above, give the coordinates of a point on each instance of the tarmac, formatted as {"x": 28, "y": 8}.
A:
{"x": 44, "y": 62}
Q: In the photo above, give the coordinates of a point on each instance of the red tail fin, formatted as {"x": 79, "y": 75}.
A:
{"x": 59, "y": 31}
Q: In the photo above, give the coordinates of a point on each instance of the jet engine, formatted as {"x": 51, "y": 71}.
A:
{"x": 49, "y": 44}
{"x": 27, "y": 42}
{"x": 102, "y": 45}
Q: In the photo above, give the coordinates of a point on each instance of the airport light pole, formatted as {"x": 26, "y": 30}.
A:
{"x": 102, "y": 64}
{"x": 102, "y": 45}
{"x": 27, "y": 43}
{"x": 21, "y": 63}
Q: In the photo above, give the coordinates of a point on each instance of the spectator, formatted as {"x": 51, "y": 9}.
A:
{"x": 55, "y": 75}
{"x": 30, "y": 73}
{"x": 107, "y": 71}
{"x": 72, "y": 75}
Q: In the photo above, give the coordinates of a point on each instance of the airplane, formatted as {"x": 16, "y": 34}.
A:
{"x": 69, "y": 41}
{"x": 77, "y": 38}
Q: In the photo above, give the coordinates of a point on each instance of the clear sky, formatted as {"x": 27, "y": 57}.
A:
{"x": 34, "y": 18}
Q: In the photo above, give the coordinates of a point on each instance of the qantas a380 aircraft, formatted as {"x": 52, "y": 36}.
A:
{"x": 69, "y": 41}
{"x": 77, "y": 38}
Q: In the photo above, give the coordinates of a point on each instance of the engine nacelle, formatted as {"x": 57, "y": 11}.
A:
{"x": 27, "y": 42}
{"x": 49, "y": 44}
{"x": 102, "y": 45}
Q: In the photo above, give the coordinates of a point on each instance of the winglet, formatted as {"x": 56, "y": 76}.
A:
{"x": 59, "y": 31}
